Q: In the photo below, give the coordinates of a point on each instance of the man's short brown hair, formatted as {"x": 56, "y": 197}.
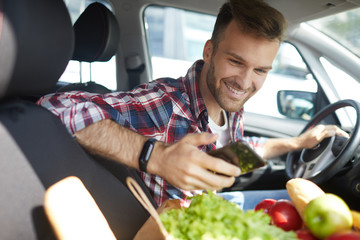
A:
{"x": 253, "y": 16}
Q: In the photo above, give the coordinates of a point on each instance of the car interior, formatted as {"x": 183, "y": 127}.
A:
{"x": 37, "y": 41}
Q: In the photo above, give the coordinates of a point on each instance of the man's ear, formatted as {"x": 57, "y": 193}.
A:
{"x": 208, "y": 50}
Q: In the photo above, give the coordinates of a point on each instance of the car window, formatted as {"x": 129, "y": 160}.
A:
{"x": 291, "y": 81}
{"x": 342, "y": 27}
{"x": 346, "y": 88}
{"x": 176, "y": 38}
{"x": 103, "y": 73}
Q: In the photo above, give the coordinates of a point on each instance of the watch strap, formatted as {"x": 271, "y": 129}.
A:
{"x": 146, "y": 153}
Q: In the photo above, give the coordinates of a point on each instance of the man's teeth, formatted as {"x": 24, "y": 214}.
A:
{"x": 234, "y": 90}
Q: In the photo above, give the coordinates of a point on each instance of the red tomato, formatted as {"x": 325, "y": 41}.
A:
{"x": 345, "y": 236}
{"x": 305, "y": 234}
{"x": 265, "y": 205}
{"x": 284, "y": 215}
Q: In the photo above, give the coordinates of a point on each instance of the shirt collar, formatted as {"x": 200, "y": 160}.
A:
{"x": 191, "y": 83}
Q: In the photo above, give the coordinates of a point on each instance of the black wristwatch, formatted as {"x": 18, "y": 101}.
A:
{"x": 145, "y": 154}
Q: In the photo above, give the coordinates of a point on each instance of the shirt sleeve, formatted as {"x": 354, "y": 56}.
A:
{"x": 75, "y": 109}
{"x": 146, "y": 109}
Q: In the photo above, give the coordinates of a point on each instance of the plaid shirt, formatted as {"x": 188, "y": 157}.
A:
{"x": 166, "y": 109}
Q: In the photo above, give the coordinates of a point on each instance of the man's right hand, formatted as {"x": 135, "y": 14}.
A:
{"x": 183, "y": 165}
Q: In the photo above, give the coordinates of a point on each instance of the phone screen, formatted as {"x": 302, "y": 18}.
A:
{"x": 241, "y": 155}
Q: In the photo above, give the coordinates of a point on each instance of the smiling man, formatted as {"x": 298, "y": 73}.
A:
{"x": 209, "y": 99}
{"x": 234, "y": 70}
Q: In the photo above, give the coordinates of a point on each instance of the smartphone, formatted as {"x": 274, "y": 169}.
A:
{"x": 241, "y": 155}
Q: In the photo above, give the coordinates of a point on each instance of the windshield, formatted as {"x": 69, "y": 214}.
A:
{"x": 343, "y": 28}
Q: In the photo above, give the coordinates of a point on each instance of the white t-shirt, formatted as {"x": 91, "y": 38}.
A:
{"x": 222, "y": 131}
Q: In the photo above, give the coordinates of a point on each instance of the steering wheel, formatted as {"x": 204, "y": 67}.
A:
{"x": 327, "y": 158}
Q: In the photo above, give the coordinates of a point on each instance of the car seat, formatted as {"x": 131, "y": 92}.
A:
{"x": 36, "y": 43}
{"x": 97, "y": 37}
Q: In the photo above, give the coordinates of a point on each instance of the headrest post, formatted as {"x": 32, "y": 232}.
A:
{"x": 80, "y": 72}
{"x": 90, "y": 72}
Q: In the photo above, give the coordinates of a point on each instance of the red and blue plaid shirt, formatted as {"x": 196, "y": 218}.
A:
{"x": 165, "y": 109}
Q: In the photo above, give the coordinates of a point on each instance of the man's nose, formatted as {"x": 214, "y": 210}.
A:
{"x": 244, "y": 78}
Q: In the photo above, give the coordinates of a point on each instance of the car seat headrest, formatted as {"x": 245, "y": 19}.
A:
{"x": 36, "y": 44}
{"x": 97, "y": 34}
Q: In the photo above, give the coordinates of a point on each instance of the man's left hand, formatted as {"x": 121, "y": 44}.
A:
{"x": 314, "y": 136}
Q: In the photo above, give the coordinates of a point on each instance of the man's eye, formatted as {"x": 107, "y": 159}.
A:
{"x": 261, "y": 71}
{"x": 234, "y": 61}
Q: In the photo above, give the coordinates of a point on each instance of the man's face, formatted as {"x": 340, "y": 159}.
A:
{"x": 238, "y": 68}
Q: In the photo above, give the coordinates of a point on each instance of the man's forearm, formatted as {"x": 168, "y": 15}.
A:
{"x": 108, "y": 139}
{"x": 278, "y": 146}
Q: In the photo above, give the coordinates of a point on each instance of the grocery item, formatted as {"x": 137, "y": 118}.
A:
{"x": 212, "y": 217}
{"x": 301, "y": 192}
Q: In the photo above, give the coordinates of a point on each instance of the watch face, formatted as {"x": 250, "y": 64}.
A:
{"x": 241, "y": 155}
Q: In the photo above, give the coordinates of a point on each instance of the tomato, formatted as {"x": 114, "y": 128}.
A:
{"x": 284, "y": 215}
{"x": 305, "y": 234}
{"x": 265, "y": 205}
{"x": 345, "y": 236}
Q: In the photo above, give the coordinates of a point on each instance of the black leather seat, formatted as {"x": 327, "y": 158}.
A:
{"x": 36, "y": 43}
{"x": 97, "y": 36}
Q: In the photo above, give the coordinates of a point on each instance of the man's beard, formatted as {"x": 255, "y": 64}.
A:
{"x": 222, "y": 100}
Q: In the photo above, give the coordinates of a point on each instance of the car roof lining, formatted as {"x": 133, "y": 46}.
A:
{"x": 293, "y": 10}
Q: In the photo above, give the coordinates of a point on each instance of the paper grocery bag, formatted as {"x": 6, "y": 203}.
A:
{"x": 151, "y": 230}
{"x": 153, "y": 227}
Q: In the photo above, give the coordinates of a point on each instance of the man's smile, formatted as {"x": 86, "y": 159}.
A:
{"x": 235, "y": 92}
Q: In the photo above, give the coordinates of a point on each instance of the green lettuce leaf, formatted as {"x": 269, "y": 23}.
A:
{"x": 212, "y": 217}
